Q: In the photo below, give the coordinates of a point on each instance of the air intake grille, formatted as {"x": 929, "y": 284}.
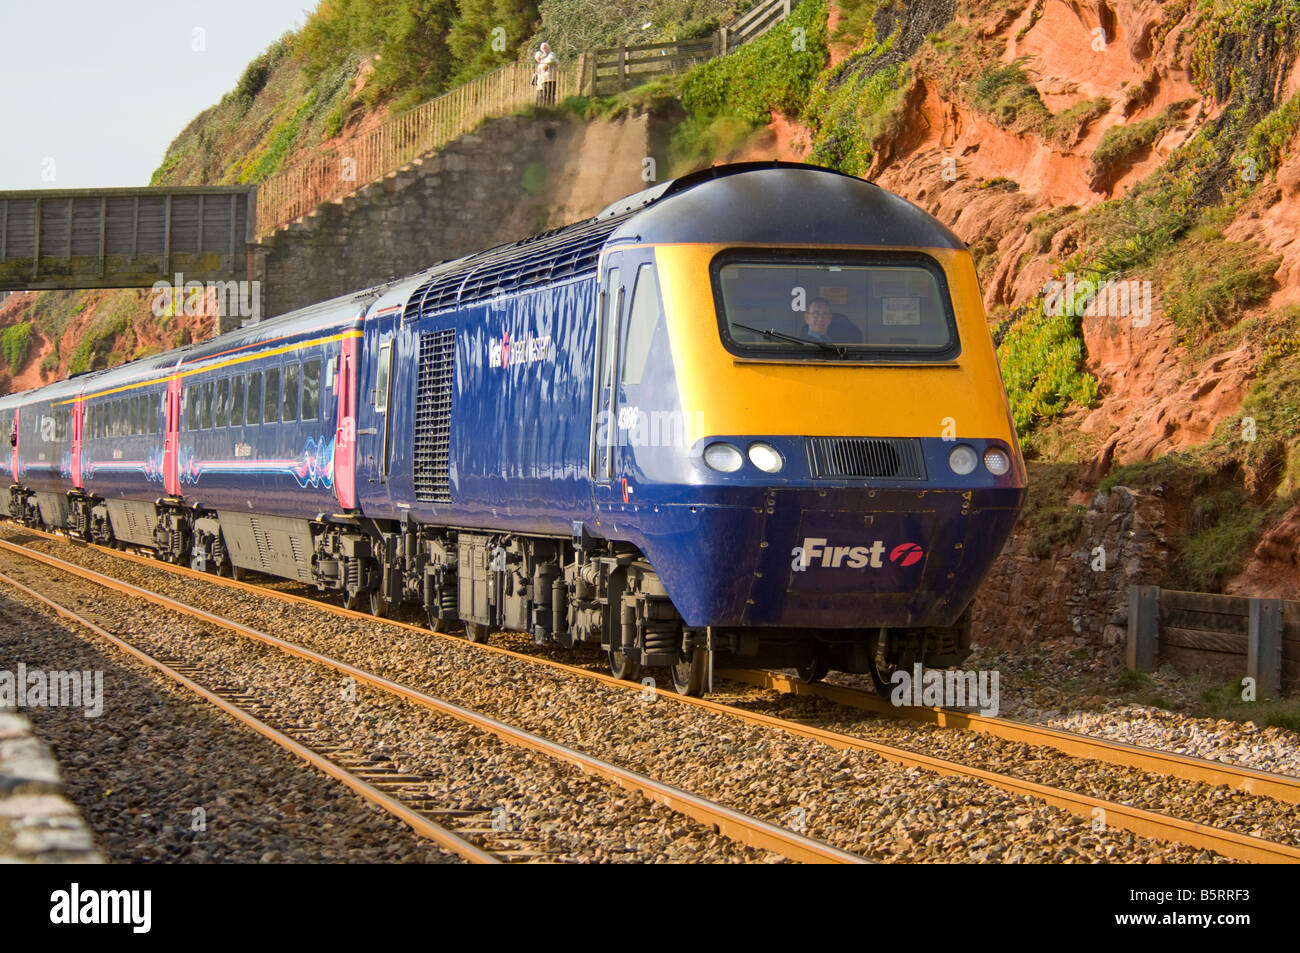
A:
{"x": 433, "y": 416}
{"x": 551, "y": 256}
{"x": 884, "y": 458}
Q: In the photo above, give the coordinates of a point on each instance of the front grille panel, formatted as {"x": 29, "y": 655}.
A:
{"x": 432, "y": 443}
{"x": 857, "y": 458}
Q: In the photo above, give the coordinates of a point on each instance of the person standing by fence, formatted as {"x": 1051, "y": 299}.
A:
{"x": 545, "y": 77}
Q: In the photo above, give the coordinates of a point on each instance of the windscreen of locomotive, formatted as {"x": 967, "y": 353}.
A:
{"x": 875, "y": 307}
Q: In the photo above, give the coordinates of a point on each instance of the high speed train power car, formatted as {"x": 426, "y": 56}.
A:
{"x": 750, "y": 416}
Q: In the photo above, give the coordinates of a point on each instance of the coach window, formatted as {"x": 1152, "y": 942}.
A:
{"x": 291, "y": 375}
{"x": 221, "y": 404}
{"x": 237, "y": 401}
{"x": 383, "y": 367}
{"x": 119, "y": 417}
{"x": 205, "y": 408}
{"x": 642, "y": 323}
{"x": 155, "y": 412}
{"x": 271, "y": 405}
{"x": 311, "y": 390}
{"x": 191, "y": 401}
{"x": 253, "y": 399}
{"x": 136, "y": 416}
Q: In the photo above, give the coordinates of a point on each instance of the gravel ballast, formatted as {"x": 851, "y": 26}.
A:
{"x": 852, "y": 799}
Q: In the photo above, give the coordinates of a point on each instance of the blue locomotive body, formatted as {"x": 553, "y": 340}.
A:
{"x": 627, "y": 432}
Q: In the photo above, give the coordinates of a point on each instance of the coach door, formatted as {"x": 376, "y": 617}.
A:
{"x": 604, "y": 423}
{"x": 171, "y": 438}
{"x": 373, "y": 441}
{"x": 78, "y": 418}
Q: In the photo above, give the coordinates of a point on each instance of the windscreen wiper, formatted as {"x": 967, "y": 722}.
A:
{"x": 778, "y": 336}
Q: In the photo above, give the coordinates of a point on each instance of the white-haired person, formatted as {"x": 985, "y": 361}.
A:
{"x": 545, "y": 77}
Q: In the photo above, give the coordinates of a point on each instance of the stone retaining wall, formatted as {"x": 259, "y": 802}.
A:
{"x": 1080, "y": 591}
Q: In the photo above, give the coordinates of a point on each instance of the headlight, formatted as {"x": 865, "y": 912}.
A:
{"x": 766, "y": 457}
{"x": 723, "y": 457}
{"x": 996, "y": 461}
{"x": 963, "y": 459}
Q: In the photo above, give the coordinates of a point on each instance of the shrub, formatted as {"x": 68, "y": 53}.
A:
{"x": 1210, "y": 282}
{"x": 1006, "y": 96}
{"x": 1042, "y": 365}
{"x": 14, "y": 343}
{"x": 766, "y": 75}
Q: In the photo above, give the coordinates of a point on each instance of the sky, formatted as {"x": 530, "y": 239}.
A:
{"x": 93, "y": 91}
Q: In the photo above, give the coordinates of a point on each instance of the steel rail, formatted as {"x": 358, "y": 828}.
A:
{"x": 1135, "y": 820}
{"x": 1280, "y": 787}
{"x": 733, "y": 824}
{"x": 419, "y": 824}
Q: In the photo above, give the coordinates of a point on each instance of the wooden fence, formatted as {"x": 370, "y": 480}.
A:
{"x": 339, "y": 170}
{"x": 622, "y": 67}
{"x": 1235, "y": 635}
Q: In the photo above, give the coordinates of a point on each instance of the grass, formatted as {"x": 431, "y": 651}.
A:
{"x": 1226, "y": 526}
{"x": 1211, "y": 281}
{"x": 1042, "y": 365}
{"x": 1224, "y": 701}
{"x": 1006, "y": 96}
{"x": 1051, "y": 521}
{"x": 1070, "y": 125}
{"x": 534, "y": 178}
{"x": 1267, "y": 141}
{"x": 766, "y": 75}
{"x": 14, "y": 344}
{"x": 1123, "y": 144}
{"x": 855, "y": 117}
{"x": 1172, "y": 470}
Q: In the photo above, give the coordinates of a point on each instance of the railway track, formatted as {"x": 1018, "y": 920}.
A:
{"x": 475, "y": 834}
{"x": 1281, "y": 787}
{"x": 1137, "y": 820}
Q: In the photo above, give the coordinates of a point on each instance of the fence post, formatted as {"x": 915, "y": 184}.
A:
{"x": 1264, "y": 646}
{"x": 622, "y": 67}
{"x": 1143, "y": 627}
{"x": 786, "y": 8}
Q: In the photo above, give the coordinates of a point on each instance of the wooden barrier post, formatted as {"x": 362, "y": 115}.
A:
{"x": 1264, "y": 646}
{"x": 1143, "y": 627}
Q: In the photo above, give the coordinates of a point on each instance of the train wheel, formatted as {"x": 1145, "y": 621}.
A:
{"x": 882, "y": 667}
{"x": 378, "y": 605}
{"x": 238, "y": 573}
{"x": 689, "y": 676}
{"x": 814, "y": 670}
{"x": 438, "y": 623}
{"x": 620, "y": 666}
{"x": 477, "y": 632}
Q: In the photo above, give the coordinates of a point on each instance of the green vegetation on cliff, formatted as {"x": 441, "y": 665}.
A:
{"x": 14, "y": 342}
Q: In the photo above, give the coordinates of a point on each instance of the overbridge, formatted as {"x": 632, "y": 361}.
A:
{"x": 125, "y": 238}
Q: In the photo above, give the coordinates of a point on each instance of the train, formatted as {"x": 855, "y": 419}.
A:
{"x": 751, "y": 416}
